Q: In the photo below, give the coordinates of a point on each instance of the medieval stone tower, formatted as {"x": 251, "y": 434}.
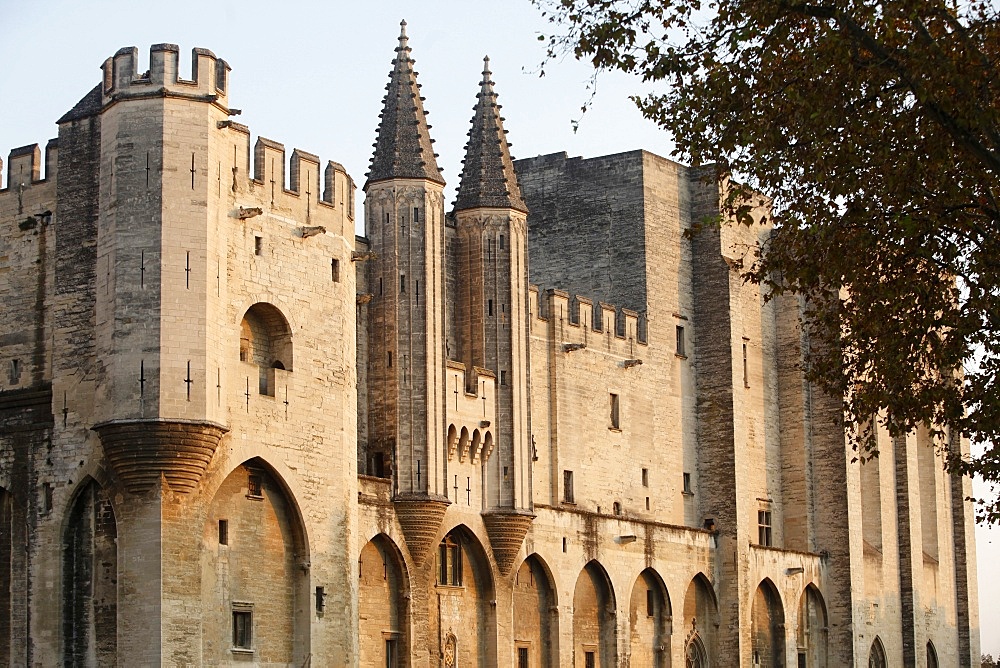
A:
{"x": 542, "y": 425}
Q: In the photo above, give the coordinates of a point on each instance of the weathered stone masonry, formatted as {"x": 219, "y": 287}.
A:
{"x": 542, "y": 426}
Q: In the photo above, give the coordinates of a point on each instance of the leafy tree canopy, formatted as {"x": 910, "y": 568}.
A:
{"x": 874, "y": 128}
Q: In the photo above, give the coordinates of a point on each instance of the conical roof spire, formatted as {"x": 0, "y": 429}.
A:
{"x": 488, "y": 178}
{"x": 404, "y": 148}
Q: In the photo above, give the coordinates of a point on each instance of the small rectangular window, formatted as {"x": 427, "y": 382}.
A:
{"x": 615, "y": 412}
{"x": 501, "y": 242}
{"x": 687, "y": 483}
{"x": 258, "y": 245}
{"x": 335, "y": 270}
{"x": 223, "y": 532}
{"x": 490, "y": 308}
{"x": 242, "y": 628}
{"x": 764, "y": 527}
{"x": 589, "y": 660}
{"x": 46, "y": 497}
{"x": 15, "y": 372}
{"x": 650, "y": 603}
{"x": 380, "y": 286}
{"x": 402, "y": 282}
{"x": 564, "y": 543}
{"x": 645, "y": 477}
{"x": 450, "y": 562}
{"x": 568, "y": 487}
{"x": 391, "y": 653}
{"x": 416, "y": 290}
{"x": 680, "y": 341}
{"x": 522, "y": 657}
{"x": 416, "y": 214}
{"x": 255, "y": 486}
{"x": 390, "y": 359}
{"x": 503, "y": 377}
{"x": 647, "y": 503}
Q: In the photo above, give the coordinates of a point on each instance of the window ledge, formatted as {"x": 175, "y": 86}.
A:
{"x": 241, "y": 650}
{"x": 680, "y": 356}
{"x": 568, "y": 503}
{"x": 617, "y": 430}
{"x": 687, "y": 493}
{"x": 450, "y": 587}
{"x": 255, "y": 497}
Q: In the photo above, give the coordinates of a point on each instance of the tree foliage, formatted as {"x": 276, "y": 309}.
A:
{"x": 874, "y": 127}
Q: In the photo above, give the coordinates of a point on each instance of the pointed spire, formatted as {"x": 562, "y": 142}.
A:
{"x": 404, "y": 147}
{"x": 488, "y": 178}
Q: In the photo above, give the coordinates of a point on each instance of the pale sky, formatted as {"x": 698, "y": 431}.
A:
{"x": 312, "y": 76}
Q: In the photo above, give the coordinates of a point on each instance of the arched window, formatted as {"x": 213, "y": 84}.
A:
{"x": 695, "y": 655}
{"x": 876, "y": 658}
{"x": 932, "y": 661}
{"x": 266, "y": 342}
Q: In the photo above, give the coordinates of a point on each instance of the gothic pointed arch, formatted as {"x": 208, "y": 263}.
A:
{"x": 595, "y": 639}
{"x": 536, "y": 613}
{"x": 767, "y": 633}
{"x": 695, "y": 655}
{"x": 383, "y": 595}
{"x": 811, "y": 636}
{"x": 464, "y": 593}
{"x": 650, "y": 621}
{"x": 254, "y": 569}
{"x": 90, "y": 578}
{"x": 700, "y": 621}
{"x": 932, "y": 657}
{"x": 876, "y": 655}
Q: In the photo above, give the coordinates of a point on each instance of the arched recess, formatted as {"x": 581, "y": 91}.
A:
{"x": 463, "y": 444}
{"x": 254, "y": 585}
{"x": 383, "y": 592}
{"x": 90, "y": 579}
{"x": 932, "y": 658}
{"x": 5, "y": 575}
{"x": 536, "y": 615}
{"x": 266, "y": 342}
{"x": 650, "y": 620}
{"x": 594, "y": 627}
{"x": 701, "y": 623}
{"x": 452, "y": 440}
{"x": 463, "y": 590}
{"x": 476, "y": 446}
{"x": 767, "y": 639}
{"x": 812, "y": 631}
{"x": 876, "y": 656}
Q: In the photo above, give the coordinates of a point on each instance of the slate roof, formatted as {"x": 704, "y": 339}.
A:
{"x": 488, "y": 178}
{"x": 88, "y": 106}
{"x": 404, "y": 148}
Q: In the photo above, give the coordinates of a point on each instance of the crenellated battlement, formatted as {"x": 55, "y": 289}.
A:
{"x": 298, "y": 181}
{"x": 24, "y": 166}
{"x": 209, "y": 75}
{"x": 615, "y": 328}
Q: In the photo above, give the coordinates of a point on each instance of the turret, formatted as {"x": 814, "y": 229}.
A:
{"x": 493, "y": 310}
{"x": 404, "y": 221}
